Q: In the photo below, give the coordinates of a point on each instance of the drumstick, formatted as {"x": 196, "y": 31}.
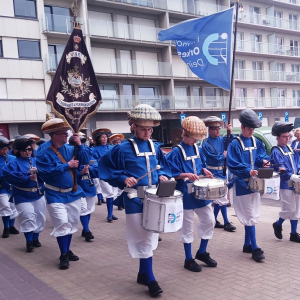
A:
{"x": 156, "y": 168}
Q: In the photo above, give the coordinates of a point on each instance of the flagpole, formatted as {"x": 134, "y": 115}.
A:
{"x": 232, "y": 80}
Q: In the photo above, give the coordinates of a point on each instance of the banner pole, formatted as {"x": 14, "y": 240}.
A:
{"x": 231, "y": 83}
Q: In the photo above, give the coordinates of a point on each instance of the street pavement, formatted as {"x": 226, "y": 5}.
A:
{"x": 106, "y": 271}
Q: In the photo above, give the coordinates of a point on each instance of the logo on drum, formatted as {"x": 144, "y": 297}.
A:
{"x": 171, "y": 218}
{"x": 271, "y": 190}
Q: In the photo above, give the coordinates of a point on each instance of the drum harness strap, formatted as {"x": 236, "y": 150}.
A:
{"x": 248, "y": 148}
{"x": 147, "y": 155}
{"x": 289, "y": 154}
{"x": 192, "y": 158}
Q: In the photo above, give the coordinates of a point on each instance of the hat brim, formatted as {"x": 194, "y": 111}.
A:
{"x": 51, "y": 130}
{"x": 149, "y": 123}
{"x": 116, "y": 137}
{"x": 213, "y": 124}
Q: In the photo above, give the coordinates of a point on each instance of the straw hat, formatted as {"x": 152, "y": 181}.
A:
{"x": 145, "y": 115}
{"x": 54, "y": 125}
{"x": 104, "y": 130}
{"x": 116, "y": 136}
{"x": 194, "y": 128}
{"x": 33, "y": 137}
{"x": 213, "y": 121}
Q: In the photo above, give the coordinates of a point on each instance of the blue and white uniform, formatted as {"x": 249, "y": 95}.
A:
{"x": 122, "y": 162}
{"x": 30, "y": 206}
{"x": 6, "y": 208}
{"x": 179, "y": 164}
{"x": 64, "y": 205}
{"x": 295, "y": 145}
{"x": 285, "y": 157}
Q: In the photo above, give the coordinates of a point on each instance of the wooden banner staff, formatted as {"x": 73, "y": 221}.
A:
{"x": 232, "y": 80}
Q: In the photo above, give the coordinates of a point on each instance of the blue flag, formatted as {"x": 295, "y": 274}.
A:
{"x": 204, "y": 44}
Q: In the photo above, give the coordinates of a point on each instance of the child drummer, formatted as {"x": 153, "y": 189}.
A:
{"x": 187, "y": 162}
{"x": 121, "y": 167}
{"x": 288, "y": 162}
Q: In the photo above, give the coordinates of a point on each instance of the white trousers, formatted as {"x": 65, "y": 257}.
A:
{"x": 247, "y": 207}
{"x": 87, "y": 205}
{"x": 107, "y": 190}
{"x": 221, "y": 201}
{"x": 7, "y": 208}
{"x": 97, "y": 185}
{"x": 290, "y": 205}
{"x": 32, "y": 215}
{"x": 205, "y": 227}
{"x": 141, "y": 243}
{"x": 64, "y": 217}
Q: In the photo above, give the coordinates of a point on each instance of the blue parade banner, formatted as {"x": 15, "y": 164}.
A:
{"x": 204, "y": 44}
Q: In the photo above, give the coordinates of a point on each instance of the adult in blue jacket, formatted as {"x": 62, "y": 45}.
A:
{"x": 55, "y": 165}
{"x": 187, "y": 163}
{"x": 245, "y": 156}
{"x": 288, "y": 162}
{"x": 27, "y": 191}
{"x": 121, "y": 167}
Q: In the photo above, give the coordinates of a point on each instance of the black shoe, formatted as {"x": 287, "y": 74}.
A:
{"x": 295, "y": 237}
{"x": 13, "y": 230}
{"x": 120, "y": 208}
{"x": 99, "y": 202}
{"x": 277, "y": 230}
{"x": 159, "y": 239}
{"x": 247, "y": 249}
{"x": 36, "y": 243}
{"x": 258, "y": 255}
{"x": 219, "y": 225}
{"x": 142, "y": 279}
{"x": 29, "y": 247}
{"x": 229, "y": 227}
{"x": 5, "y": 233}
{"x": 64, "y": 261}
{"x": 103, "y": 201}
{"x": 72, "y": 256}
{"x": 88, "y": 236}
{"x": 191, "y": 265}
{"x": 206, "y": 259}
{"x": 154, "y": 289}
{"x": 109, "y": 220}
{"x": 83, "y": 233}
{"x": 228, "y": 205}
{"x": 114, "y": 217}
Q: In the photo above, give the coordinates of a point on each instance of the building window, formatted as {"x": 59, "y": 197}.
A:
{"x": 257, "y": 67}
{"x": 1, "y": 52}
{"x": 259, "y": 95}
{"x": 294, "y": 48}
{"x": 55, "y": 54}
{"x": 214, "y": 97}
{"x": 110, "y": 96}
{"x": 150, "y": 95}
{"x": 293, "y": 22}
{"x": 240, "y": 41}
{"x": 58, "y": 19}
{"x": 240, "y": 97}
{"x": 29, "y": 49}
{"x": 25, "y": 8}
{"x": 256, "y": 42}
{"x": 296, "y": 97}
{"x": 239, "y": 69}
{"x": 254, "y": 14}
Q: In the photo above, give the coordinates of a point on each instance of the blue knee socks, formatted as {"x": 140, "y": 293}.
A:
{"x": 203, "y": 246}
{"x": 109, "y": 204}
{"x": 89, "y": 217}
{"x": 251, "y": 232}
{"x": 247, "y": 237}
{"x": 280, "y": 221}
{"x": 28, "y": 236}
{"x": 100, "y": 197}
{"x": 224, "y": 214}
{"x": 36, "y": 236}
{"x": 69, "y": 240}
{"x": 188, "y": 251}
{"x": 5, "y": 221}
{"x": 146, "y": 267}
{"x": 63, "y": 242}
{"x": 11, "y": 222}
{"x": 294, "y": 224}
{"x": 216, "y": 210}
{"x": 85, "y": 222}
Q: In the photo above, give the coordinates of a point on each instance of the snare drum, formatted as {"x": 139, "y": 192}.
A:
{"x": 162, "y": 214}
{"x": 296, "y": 186}
{"x": 258, "y": 184}
{"x": 209, "y": 189}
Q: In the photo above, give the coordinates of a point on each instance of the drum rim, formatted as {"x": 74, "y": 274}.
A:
{"x": 169, "y": 197}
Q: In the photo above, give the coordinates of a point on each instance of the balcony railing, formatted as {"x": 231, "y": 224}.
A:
{"x": 174, "y": 103}
{"x": 158, "y": 4}
{"x": 265, "y": 48}
{"x": 124, "y": 31}
{"x": 266, "y": 20}
{"x": 265, "y": 75}
{"x": 59, "y": 23}
{"x": 120, "y": 67}
{"x": 290, "y": 1}
{"x": 279, "y": 102}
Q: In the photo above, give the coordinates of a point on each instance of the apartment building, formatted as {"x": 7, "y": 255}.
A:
{"x": 133, "y": 66}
